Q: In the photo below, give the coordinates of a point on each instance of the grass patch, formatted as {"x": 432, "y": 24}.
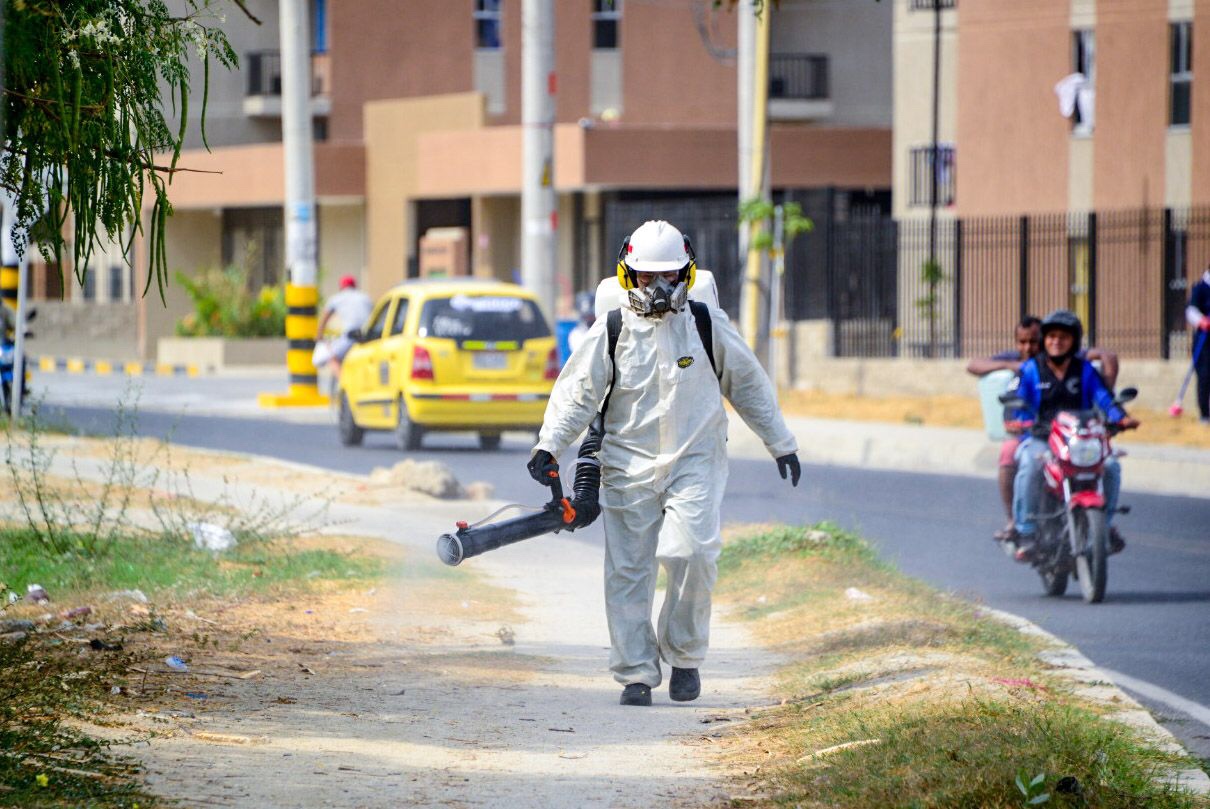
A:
{"x": 959, "y": 703}
{"x": 46, "y": 685}
{"x": 970, "y": 754}
{"x": 43, "y": 761}
{"x": 163, "y": 563}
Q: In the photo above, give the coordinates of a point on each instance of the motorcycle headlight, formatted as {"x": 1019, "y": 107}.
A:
{"x": 1084, "y": 451}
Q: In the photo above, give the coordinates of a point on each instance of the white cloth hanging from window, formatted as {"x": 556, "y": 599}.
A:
{"x": 1068, "y": 89}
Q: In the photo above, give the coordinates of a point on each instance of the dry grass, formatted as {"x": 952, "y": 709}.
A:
{"x": 897, "y": 695}
{"x": 963, "y": 411}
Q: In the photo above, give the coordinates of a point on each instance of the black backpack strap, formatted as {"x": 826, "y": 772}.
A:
{"x": 613, "y": 328}
{"x": 705, "y": 330}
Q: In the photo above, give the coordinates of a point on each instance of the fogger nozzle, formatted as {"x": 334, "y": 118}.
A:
{"x": 449, "y": 549}
{"x": 560, "y": 514}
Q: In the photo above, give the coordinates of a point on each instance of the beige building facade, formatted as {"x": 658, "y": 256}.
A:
{"x": 416, "y": 110}
{"x": 418, "y": 123}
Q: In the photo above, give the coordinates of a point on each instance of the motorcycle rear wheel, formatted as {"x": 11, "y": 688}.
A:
{"x": 1092, "y": 565}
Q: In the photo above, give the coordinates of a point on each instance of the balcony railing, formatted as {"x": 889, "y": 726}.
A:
{"x": 929, "y": 5}
{"x": 800, "y": 76}
{"x": 264, "y": 73}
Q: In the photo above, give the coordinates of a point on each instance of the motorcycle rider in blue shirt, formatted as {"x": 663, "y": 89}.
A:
{"x": 1054, "y": 380}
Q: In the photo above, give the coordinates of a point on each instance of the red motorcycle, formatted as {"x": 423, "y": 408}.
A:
{"x": 1073, "y": 534}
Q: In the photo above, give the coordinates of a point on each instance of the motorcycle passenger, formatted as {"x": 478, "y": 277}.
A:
{"x": 1028, "y": 339}
{"x": 1055, "y": 380}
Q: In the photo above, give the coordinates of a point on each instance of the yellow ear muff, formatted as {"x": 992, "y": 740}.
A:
{"x": 626, "y": 275}
{"x": 690, "y": 273}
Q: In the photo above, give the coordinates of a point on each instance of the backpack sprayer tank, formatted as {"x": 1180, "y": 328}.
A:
{"x": 560, "y": 514}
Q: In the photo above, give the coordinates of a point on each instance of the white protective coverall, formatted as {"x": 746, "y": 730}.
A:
{"x": 664, "y": 465}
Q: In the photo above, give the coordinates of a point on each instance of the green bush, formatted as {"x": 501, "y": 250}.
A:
{"x": 224, "y": 307}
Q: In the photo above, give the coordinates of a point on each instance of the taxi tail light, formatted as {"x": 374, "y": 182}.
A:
{"x": 422, "y": 363}
{"x": 552, "y": 364}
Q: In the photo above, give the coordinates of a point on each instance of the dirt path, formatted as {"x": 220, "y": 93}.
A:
{"x": 486, "y": 685}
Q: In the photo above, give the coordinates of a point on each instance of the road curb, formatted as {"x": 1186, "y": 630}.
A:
{"x": 1096, "y": 685}
{"x": 77, "y": 365}
{"x": 1149, "y": 469}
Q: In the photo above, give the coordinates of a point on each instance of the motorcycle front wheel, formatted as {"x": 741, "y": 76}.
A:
{"x": 1092, "y": 563}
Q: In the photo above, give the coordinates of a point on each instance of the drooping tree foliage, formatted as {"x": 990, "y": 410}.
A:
{"x": 87, "y": 89}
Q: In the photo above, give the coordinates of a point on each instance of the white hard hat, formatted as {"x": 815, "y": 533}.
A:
{"x": 656, "y": 246}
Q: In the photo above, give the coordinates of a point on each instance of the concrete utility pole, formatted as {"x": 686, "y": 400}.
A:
{"x": 539, "y": 212}
{"x": 755, "y": 180}
{"x": 745, "y": 63}
{"x": 302, "y": 296}
{"x": 934, "y": 168}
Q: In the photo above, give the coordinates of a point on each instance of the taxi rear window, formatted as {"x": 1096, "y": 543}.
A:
{"x": 488, "y": 318}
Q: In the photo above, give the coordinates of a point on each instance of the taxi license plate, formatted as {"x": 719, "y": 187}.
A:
{"x": 490, "y": 360}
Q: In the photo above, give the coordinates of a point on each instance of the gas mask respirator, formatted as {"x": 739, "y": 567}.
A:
{"x": 658, "y": 298}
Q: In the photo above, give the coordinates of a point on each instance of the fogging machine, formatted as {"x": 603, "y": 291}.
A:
{"x": 559, "y": 514}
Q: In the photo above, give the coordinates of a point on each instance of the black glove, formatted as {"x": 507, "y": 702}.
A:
{"x": 789, "y": 463}
{"x": 540, "y": 465}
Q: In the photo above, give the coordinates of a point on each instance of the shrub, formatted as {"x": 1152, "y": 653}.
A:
{"x": 224, "y": 307}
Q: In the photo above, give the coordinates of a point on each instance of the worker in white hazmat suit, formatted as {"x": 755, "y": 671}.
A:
{"x": 663, "y": 458}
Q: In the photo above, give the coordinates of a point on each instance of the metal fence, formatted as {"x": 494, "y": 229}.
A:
{"x": 264, "y": 73}
{"x": 1125, "y": 273}
{"x": 710, "y": 222}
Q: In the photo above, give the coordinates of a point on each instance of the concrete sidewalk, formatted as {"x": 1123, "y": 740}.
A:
{"x": 1149, "y": 468}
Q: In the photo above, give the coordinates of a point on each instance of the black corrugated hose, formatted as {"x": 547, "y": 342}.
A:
{"x": 587, "y": 487}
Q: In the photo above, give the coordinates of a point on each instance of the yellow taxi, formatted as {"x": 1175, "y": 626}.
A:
{"x": 448, "y": 355}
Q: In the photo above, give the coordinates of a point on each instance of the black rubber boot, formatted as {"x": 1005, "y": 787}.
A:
{"x": 636, "y": 694}
{"x": 684, "y": 685}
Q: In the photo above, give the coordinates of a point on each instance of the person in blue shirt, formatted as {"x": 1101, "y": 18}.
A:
{"x": 1054, "y": 380}
{"x": 1198, "y": 315}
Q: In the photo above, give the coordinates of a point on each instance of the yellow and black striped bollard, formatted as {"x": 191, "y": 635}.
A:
{"x": 301, "y": 327}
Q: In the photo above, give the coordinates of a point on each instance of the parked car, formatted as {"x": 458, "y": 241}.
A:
{"x": 448, "y": 355}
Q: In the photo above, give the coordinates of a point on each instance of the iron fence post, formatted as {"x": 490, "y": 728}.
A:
{"x": 1092, "y": 278}
{"x": 1023, "y": 266}
{"x": 830, "y": 272}
{"x": 1165, "y": 296}
{"x": 957, "y": 287}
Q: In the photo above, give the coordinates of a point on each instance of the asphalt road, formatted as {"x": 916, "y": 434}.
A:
{"x": 1153, "y": 627}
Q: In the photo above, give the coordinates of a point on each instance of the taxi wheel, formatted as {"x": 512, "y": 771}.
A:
{"x": 489, "y": 442}
{"x": 407, "y": 432}
{"x": 350, "y": 434}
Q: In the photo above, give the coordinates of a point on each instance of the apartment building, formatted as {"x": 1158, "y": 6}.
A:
{"x": 1071, "y": 165}
{"x": 416, "y": 111}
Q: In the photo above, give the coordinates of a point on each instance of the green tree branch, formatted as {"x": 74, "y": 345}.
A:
{"x": 86, "y": 84}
